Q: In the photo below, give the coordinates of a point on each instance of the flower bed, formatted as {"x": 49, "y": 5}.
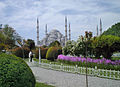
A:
{"x": 100, "y": 63}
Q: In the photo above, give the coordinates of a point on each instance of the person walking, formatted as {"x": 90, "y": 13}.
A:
{"x": 30, "y": 56}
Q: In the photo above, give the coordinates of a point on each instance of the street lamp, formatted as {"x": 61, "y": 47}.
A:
{"x": 39, "y": 52}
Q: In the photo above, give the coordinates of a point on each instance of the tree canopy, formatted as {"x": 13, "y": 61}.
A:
{"x": 114, "y": 30}
{"x": 106, "y": 45}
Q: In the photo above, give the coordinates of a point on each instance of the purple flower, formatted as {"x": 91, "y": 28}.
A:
{"x": 89, "y": 60}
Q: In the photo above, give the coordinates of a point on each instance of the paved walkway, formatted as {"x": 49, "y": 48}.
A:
{"x": 63, "y": 79}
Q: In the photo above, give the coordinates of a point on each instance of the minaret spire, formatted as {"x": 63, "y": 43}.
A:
{"x": 69, "y": 32}
{"x": 37, "y": 31}
{"x": 46, "y": 29}
{"x": 97, "y": 30}
{"x": 100, "y": 26}
{"x": 0, "y": 26}
{"x": 65, "y": 30}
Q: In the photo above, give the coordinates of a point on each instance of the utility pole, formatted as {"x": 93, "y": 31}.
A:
{"x": 38, "y": 42}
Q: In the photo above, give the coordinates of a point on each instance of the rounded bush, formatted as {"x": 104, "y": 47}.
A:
{"x": 19, "y": 52}
{"x": 53, "y": 53}
{"x": 14, "y": 72}
{"x": 43, "y": 52}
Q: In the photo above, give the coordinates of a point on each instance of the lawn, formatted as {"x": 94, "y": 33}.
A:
{"x": 42, "y": 85}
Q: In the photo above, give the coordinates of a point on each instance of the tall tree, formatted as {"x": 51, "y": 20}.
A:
{"x": 30, "y": 44}
{"x": 8, "y": 31}
{"x": 106, "y": 45}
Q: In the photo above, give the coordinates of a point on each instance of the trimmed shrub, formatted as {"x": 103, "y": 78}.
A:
{"x": 43, "y": 53}
{"x": 53, "y": 53}
{"x": 55, "y": 44}
{"x": 14, "y": 72}
{"x": 19, "y": 52}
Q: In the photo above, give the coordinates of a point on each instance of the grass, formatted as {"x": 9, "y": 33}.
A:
{"x": 115, "y": 58}
{"x": 42, "y": 85}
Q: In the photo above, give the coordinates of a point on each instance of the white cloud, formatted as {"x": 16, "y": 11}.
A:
{"x": 83, "y": 15}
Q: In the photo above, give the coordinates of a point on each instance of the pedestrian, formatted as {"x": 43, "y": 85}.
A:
{"x": 30, "y": 56}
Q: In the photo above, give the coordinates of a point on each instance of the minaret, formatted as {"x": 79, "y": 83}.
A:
{"x": 69, "y": 32}
{"x": 46, "y": 34}
{"x": 37, "y": 31}
{"x": 46, "y": 30}
{"x": 97, "y": 30}
{"x": 100, "y": 26}
{"x": 0, "y": 26}
{"x": 65, "y": 30}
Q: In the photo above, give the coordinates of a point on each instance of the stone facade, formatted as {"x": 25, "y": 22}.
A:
{"x": 54, "y": 35}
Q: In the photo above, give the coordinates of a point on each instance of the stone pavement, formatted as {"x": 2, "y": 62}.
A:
{"x": 63, "y": 79}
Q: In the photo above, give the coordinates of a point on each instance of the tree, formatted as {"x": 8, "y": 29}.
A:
{"x": 106, "y": 45}
{"x": 2, "y": 42}
{"x": 79, "y": 48}
{"x": 2, "y": 38}
{"x": 69, "y": 48}
{"x": 30, "y": 44}
{"x": 9, "y": 37}
{"x": 114, "y": 30}
{"x": 8, "y": 32}
{"x": 82, "y": 44}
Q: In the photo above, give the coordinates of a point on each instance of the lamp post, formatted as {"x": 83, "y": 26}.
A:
{"x": 39, "y": 52}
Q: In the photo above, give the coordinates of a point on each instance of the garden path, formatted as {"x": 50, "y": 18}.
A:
{"x": 63, "y": 79}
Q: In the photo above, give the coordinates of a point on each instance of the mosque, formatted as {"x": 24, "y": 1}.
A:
{"x": 54, "y": 35}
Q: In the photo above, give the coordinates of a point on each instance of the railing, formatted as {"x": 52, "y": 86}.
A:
{"x": 111, "y": 74}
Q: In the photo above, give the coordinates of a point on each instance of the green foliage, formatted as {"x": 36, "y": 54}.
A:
{"x": 30, "y": 44}
{"x": 19, "y": 52}
{"x": 79, "y": 48}
{"x": 43, "y": 52}
{"x": 44, "y": 46}
{"x": 42, "y": 85}
{"x": 55, "y": 43}
{"x": 91, "y": 65}
{"x": 106, "y": 45}
{"x": 7, "y": 37}
{"x": 2, "y": 38}
{"x": 68, "y": 49}
{"x": 53, "y": 53}
{"x": 8, "y": 31}
{"x": 10, "y": 43}
{"x": 114, "y": 30}
{"x": 2, "y": 46}
{"x": 14, "y": 72}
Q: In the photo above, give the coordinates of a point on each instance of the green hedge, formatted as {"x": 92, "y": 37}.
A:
{"x": 53, "y": 53}
{"x": 19, "y": 52}
{"x": 43, "y": 52}
{"x": 14, "y": 72}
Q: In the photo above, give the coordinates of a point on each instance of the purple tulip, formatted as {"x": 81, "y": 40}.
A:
{"x": 89, "y": 60}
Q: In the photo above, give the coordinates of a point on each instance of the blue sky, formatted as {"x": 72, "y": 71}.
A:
{"x": 82, "y": 14}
